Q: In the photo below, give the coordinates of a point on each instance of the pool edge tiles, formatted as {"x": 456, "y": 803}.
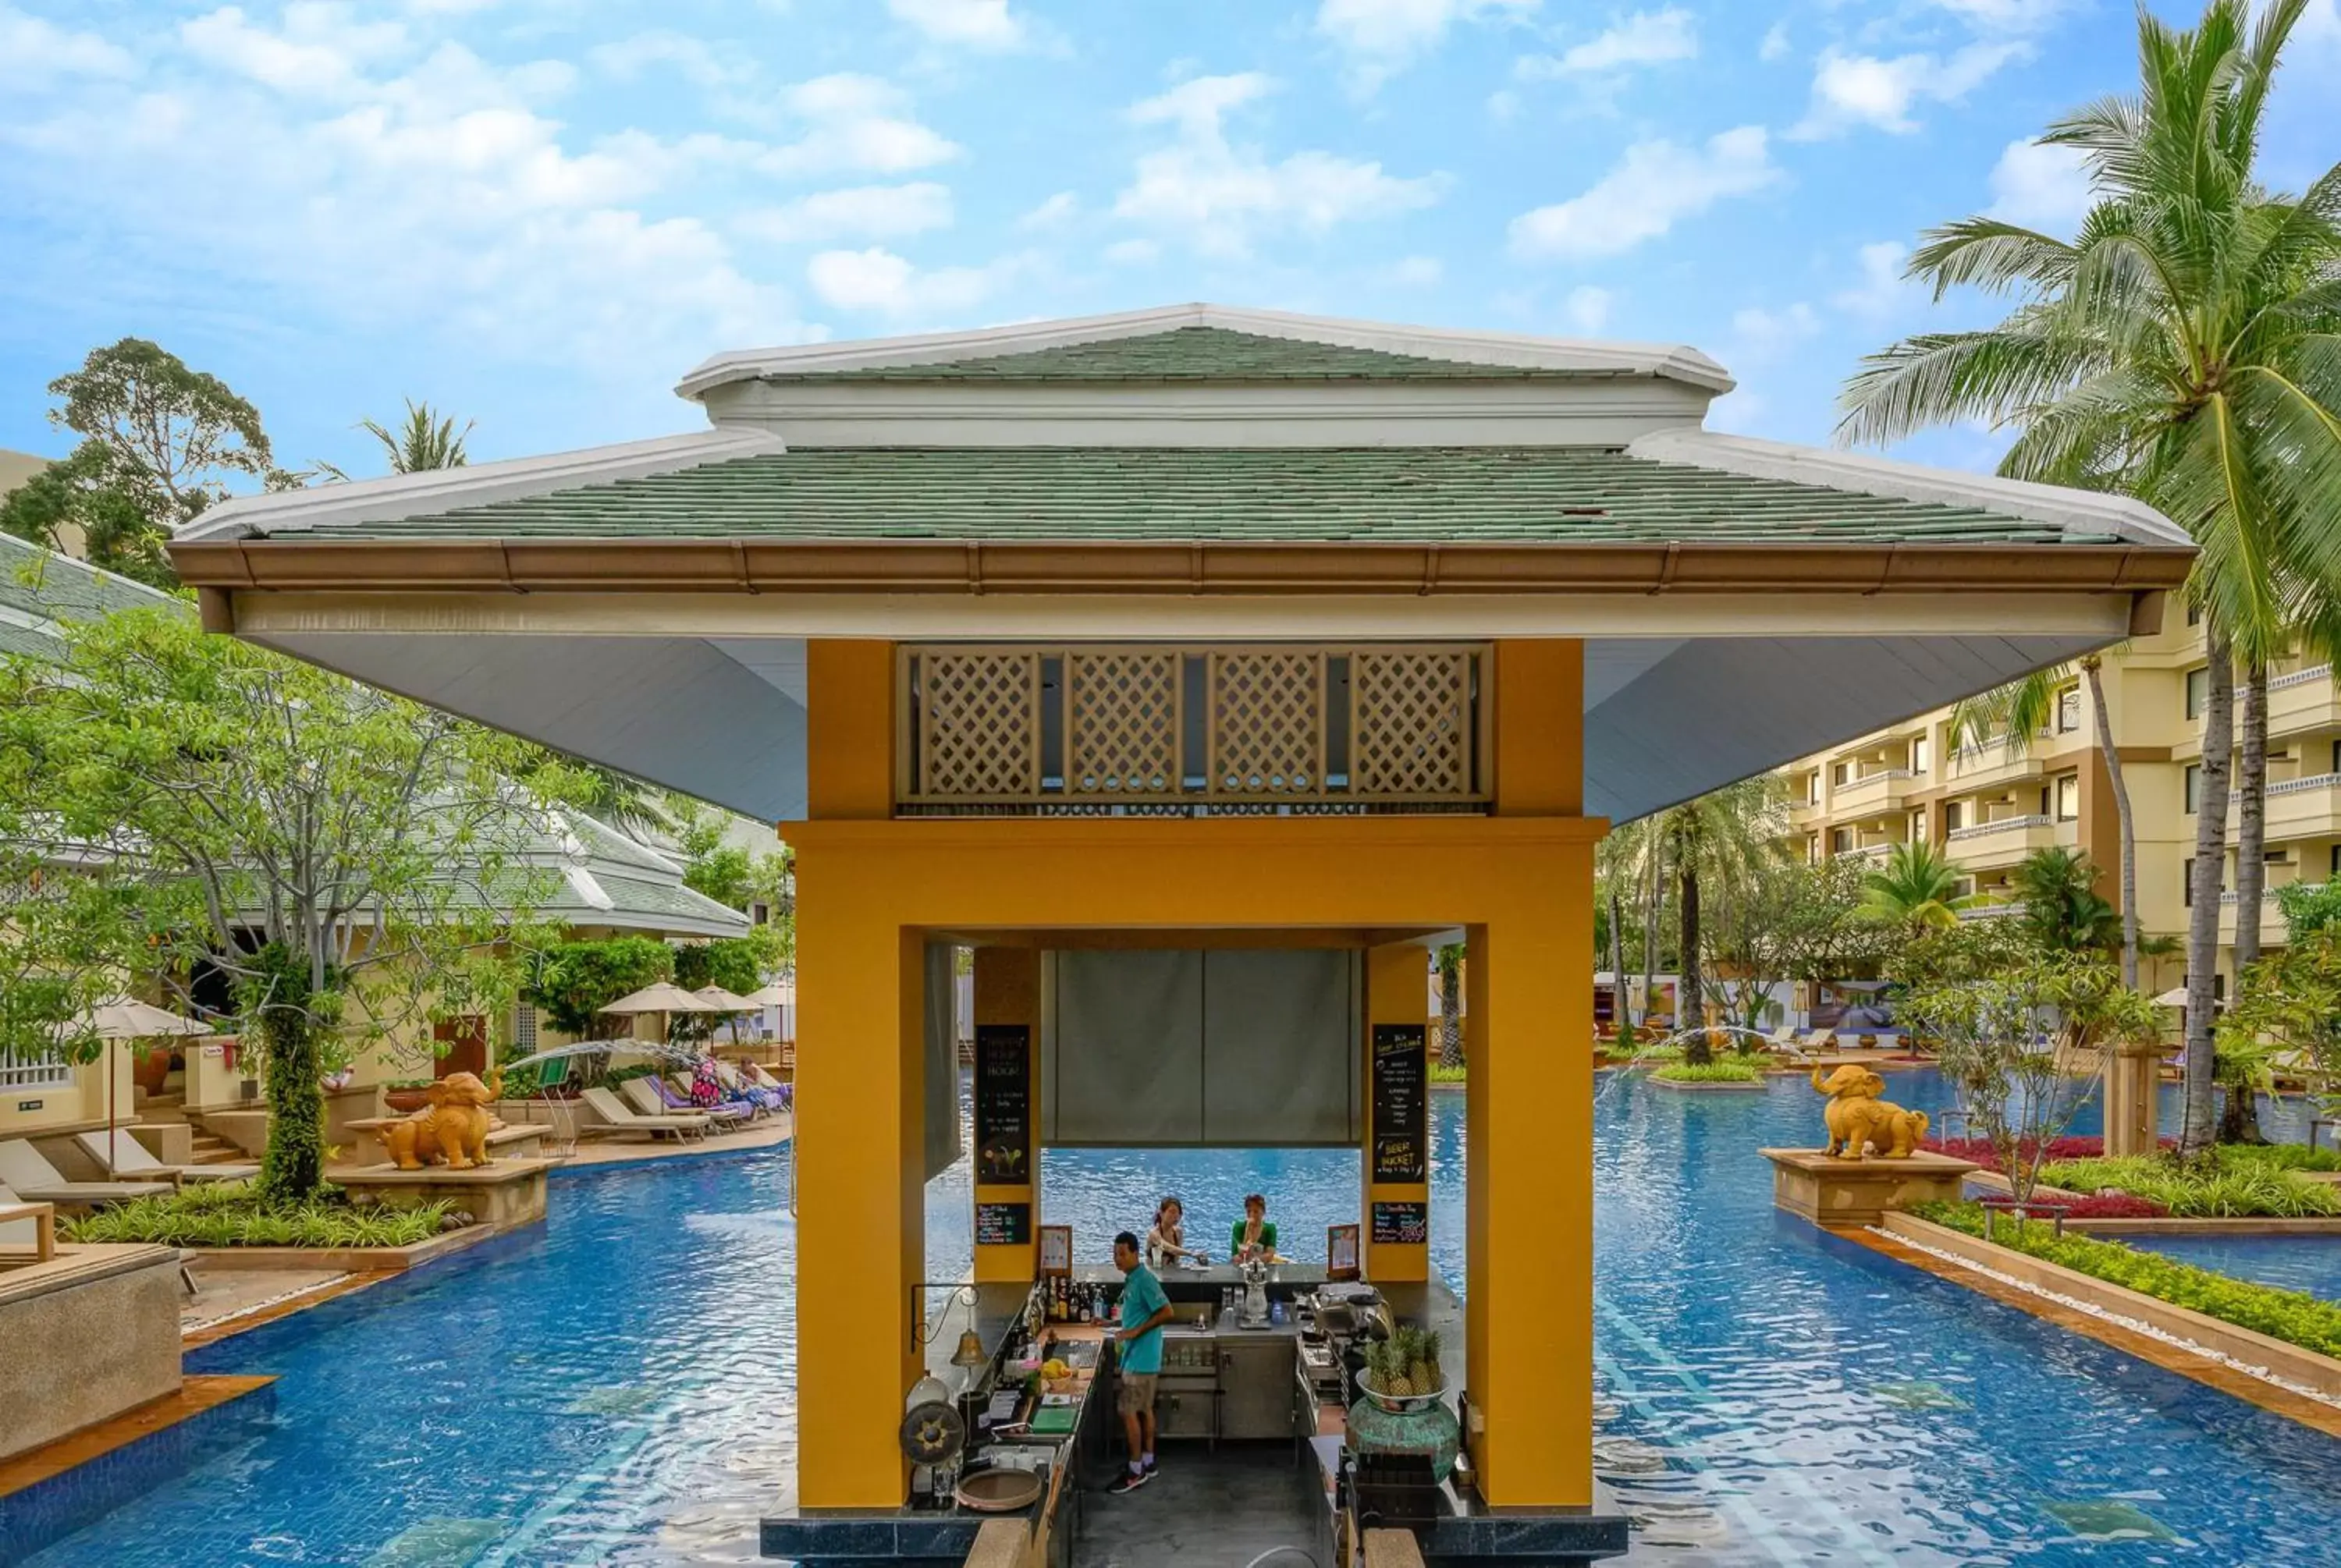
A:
{"x": 2182, "y": 1362}
{"x": 55, "y": 1490}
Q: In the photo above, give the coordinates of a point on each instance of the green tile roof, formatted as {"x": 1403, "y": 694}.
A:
{"x": 1184, "y": 354}
{"x": 1537, "y": 495}
{"x": 41, "y": 585}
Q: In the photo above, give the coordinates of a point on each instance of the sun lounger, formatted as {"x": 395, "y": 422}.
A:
{"x": 33, "y": 1225}
{"x": 1816, "y": 1040}
{"x": 764, "y": 1099}
{"x": 623, "y": 1117}
{"x": 763, "y": 1079}
{"x": 651, "y": 1097}
{"x": 35, "y": 1180}
{"x": 133, "y": 1161}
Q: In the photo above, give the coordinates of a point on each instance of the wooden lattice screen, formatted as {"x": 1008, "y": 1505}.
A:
{"x": 1122, "y": 740}
{"x": 1268, "y": 723}
{"x": 1379, "y": 726}
{"x": 1410, "y": 734}
{"x": 979, "y": 739}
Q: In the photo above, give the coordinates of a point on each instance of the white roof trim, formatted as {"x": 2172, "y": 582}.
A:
{"x": 437, "y": 491}
{"x": 2083, "y": 511}
{"x": 581, "y": 883}
{"x": 1521, "y": 351}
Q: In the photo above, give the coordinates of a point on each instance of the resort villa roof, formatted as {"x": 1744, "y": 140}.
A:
{"x": 1194, "y": 472}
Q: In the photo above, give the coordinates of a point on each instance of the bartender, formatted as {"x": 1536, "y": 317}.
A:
{"x": 1254, "y": 1236}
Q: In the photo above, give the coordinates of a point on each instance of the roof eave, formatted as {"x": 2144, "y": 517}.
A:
{"x": 1168, "y": 567}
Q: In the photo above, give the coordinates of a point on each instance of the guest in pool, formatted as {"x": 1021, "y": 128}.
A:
{"x": 1254, "y": 1237}
{"x": 1168, "y": 1240}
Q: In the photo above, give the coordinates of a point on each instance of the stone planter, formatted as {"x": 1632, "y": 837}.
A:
{"x": 1831, "y": 1191}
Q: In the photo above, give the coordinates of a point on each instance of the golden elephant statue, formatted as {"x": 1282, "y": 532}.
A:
{"x": 452, "y": 1127}
{"x": 1858, "y": 1118}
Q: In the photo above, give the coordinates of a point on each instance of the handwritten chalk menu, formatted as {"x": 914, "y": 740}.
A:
{"x": 1003, "y": 1104}
{"x": 1402, "y": 1119}
{"x": 1003, "y": 1224}
{"x": 1401, "y": 1223}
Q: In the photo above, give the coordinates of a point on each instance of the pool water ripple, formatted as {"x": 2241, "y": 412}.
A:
{"x": 618, "y": 1388}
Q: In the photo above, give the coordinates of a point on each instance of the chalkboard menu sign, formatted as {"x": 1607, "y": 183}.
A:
{"x": 1003, "y": 1104}
{"x": 1401, "y": 1223}
{"x": 1401, "y": 1142}
{"x": 1003, "y": 1224}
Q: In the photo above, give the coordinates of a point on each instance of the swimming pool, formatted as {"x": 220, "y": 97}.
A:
{"x": 2309, "y": 1262}
{"x": 616, "y": 1388}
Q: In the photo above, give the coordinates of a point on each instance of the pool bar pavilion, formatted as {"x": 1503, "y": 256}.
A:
{"x": 1198, "y": 668}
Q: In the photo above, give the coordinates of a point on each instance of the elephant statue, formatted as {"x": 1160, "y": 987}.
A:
{"x": 1858, "y": 1118}
{"x": 452, "y": 1127}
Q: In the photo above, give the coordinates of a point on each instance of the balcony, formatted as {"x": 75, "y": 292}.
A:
{"x": 1867, "y": 854}
{"x": 1998, "y": 844}
{"x": 2306, "y": 808}
{"x": 1884, "y": 790}
{"x": 2300, "y": 703}
{"x": 2272, "y": 927}
{"x": 1139, "y": 730}
{"x": 1990, "y": 766}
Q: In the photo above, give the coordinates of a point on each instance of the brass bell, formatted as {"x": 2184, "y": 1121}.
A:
{"x": 970, "y": 1352}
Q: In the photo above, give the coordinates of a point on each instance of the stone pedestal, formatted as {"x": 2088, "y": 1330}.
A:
{"x": 508, "y": 1192}
{"x": 91, "y": 1332}
{"x": 1830, "y": 1191}
{"x": 2133, "y": 1095}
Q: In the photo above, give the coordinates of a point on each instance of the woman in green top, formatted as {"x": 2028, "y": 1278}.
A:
{"x": 1254, "y": 1236}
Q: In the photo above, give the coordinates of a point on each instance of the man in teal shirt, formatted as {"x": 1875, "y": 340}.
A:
{"x": 1144, "y": 1310}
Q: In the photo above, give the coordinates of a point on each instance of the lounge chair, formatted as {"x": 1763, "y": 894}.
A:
{"x": 651, "y": 1097}
{"x": 35, "y": 1180}
{"x": 737, "y": 1084}
{"x": 1816, "y": 1040}
{"x": 28, "y": 1230}
{"x": 763, "y": 1079}
{"x": 133, "y": 1161}
{"x": 622, "y": 1118}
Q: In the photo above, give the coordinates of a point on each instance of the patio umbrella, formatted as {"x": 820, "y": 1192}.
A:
{"x": 779, "y": 994}
{"x": 729, "y": 1002}
{"x": 126, "y": 1019}
{"x": 662, "y": 998}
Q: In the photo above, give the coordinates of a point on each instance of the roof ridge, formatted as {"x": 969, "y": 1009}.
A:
{"x": 1518, "y": 351}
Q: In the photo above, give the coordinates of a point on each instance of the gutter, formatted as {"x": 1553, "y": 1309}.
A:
{"x": 219, "y": 569}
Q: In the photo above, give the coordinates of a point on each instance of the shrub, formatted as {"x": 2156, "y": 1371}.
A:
{"x": 1722, "y": 1072}
{"x": 1441, "y": 1072}
{"x": 2218, "y": 1188}
{"x": 573, "y": 981}
{"x": 2282, "y": 1157}
{"x": 2288, "y": 1315}
{"x": 232, "y": 1214}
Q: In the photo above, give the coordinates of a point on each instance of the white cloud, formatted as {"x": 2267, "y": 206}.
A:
{"x": 694, "y": 59}
{"x": 858, "y": 211}
{"x": 1644, "y": 38}
{"x": 1758, "y": 334}
{"x": 976, "y": 23}
{"x": 32, "y": 50}
{"x": 2007, "y": 15}
{"x": 1883, "y": 290}
{"x": 1217, "y": 195}
{"x": 1588, "y": 308}
{"x": 1655, "y": 184}
{"x": 2041, "y": 186}
{"x": 322, "y": 51}
{"x": 1053, "y": 213}
{"x": 1776, "y": 43}
{"x": 856, "y": 122}
{"x": 1864, "y": 90}
{"x": 1415, "y": 272}
{"x": 880, "y": 283}
{"x": 1381, "y": 37}
{"x": 1133, "y": 253}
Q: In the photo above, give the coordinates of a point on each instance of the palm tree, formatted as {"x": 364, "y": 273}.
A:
{"x": 2058, "y": 889}
{"x": 1918, "y": 886}
{"x": 1718, "y": 837}
{"x": 2020, "y": 709}
{"x": 1617, "y": 864}
{"x": 426, "y": 440}
{"x": 2180, "y": 348}
{"x": 1450, "y": 1004}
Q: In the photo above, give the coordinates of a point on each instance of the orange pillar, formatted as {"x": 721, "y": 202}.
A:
{"x": 860, "y": 1188}
{"x": 1397, "y": 987}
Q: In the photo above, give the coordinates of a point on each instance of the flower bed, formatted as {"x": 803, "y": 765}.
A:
{"x": 230, "y": 1213}
{"x": 2100, "y": 1205}
{"x": 2222, "y": 1188}
{"x": 2287, "y": 1315}
{"x": 1724, "y": 1071}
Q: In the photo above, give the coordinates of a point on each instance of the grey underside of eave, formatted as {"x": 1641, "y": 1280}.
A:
{"x": 1666, "y": 720}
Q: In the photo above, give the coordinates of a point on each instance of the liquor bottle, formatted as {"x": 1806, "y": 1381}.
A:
{"x": 1088, "y": 1315}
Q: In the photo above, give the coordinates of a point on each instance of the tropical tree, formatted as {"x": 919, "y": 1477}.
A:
{"x": 428, "y": 440}
{"x": 1449, "y": 959}
{"x": 2058, "y": 889}
{"x": 159, "y": 443}
{"x": 354, "y": 865}
{"x": 1919, "y": 886}
{"x": 2016, "y": 712}
{"x": 1715, "y": 842}
{"x": 2179, "y": 348}
{"x": 1789, "y": 920}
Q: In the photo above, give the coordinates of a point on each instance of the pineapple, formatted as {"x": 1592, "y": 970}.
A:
{"x": 1424, "y": 1372}
{"x": 1400, "y": 1357}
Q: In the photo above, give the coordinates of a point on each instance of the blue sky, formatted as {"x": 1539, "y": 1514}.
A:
{"x": 538, "y": 213}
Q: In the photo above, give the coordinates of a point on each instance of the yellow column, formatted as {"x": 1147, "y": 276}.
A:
{"x": 1008, "y": 991}
{"x": 1397, "y": 988}
{"x": 860, "y": 1102}
{"x": 1539, "y": 728}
